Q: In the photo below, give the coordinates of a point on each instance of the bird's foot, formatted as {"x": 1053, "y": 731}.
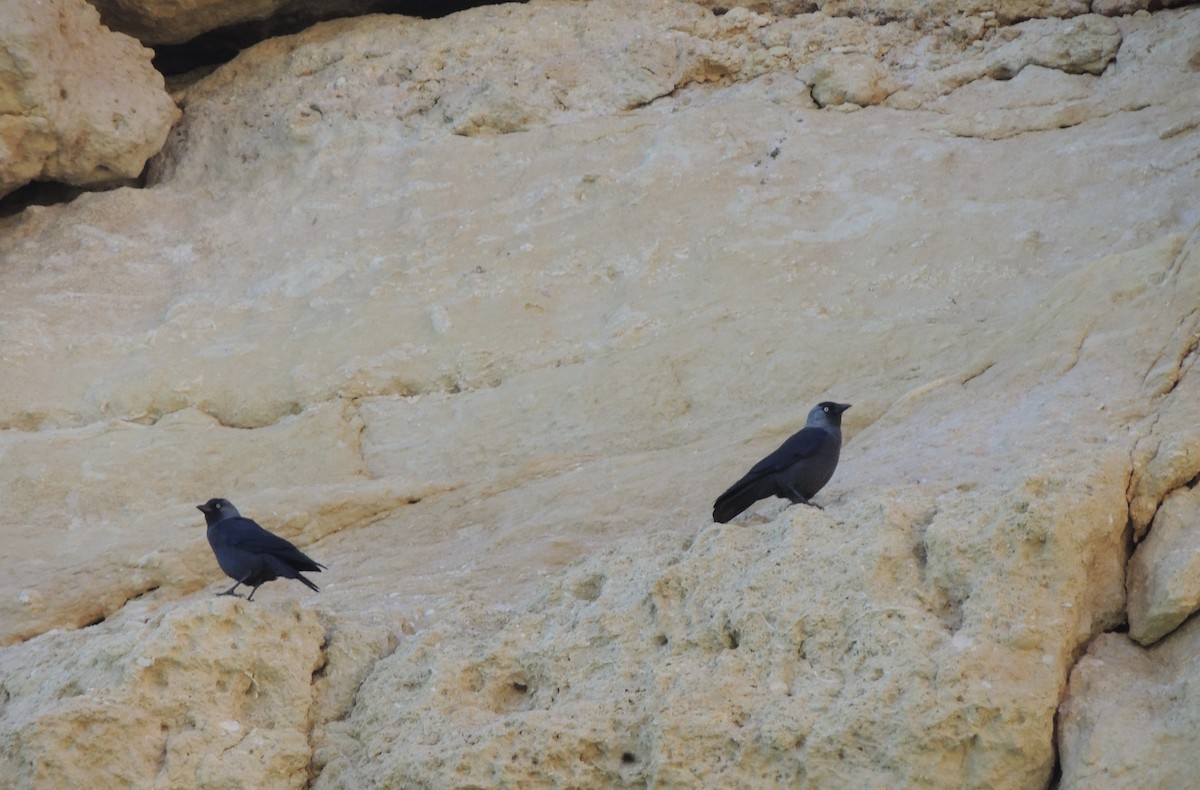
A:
{"x": 231, "y": 592}
{"x": 799, "y": 499}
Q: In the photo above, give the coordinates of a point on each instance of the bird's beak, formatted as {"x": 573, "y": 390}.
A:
{"x": 843, "y": 406}
{"x": 204, "y": 508}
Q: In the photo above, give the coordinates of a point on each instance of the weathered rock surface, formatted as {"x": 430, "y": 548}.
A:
{"x": 78, "y": 104}
{"x": 1164, "y": 572}
{"x": 850, "y": 79}
{"x": 1168, "y": 457}
{"x": 155, "y": 22}
{"x": 304, "y": 477}
{"x": 216, "y": 693}
{"x": 489, "y": 350}
{"x": 1131, "y": 714}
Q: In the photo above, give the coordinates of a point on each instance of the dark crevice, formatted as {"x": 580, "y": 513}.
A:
{"x": 144, "y": 592}
{"x": 223, "y": 44}
{"x": 52, "y": 193}
{"x": 977, "y": 373}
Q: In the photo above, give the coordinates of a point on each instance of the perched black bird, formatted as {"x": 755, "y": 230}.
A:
{"x": 248, "y": 553}
{"x": 797, "y": 470}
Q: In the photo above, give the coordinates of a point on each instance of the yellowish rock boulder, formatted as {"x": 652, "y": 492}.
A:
{"x": 1164, "y": 572}
{"x": 79, "y": 104}
{"x": 1130, "y": 714}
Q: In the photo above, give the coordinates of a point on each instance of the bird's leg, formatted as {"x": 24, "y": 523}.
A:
{"x": 799, "y": 499}
{"x": 240, "y": 582}
{"x": 251, "y": 597}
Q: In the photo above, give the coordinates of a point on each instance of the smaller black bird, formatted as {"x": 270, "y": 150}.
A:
{"x": 797, "y": 470}
{"x": 248, "y": 553}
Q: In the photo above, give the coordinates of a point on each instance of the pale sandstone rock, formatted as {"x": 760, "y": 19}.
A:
{"x": 1040, "y": 98}
{"x": 575, "y": 62}
{"x": 304, "y": 478}
{"x": 176, "y": 21}
{"x": 850, "y": 79}
{"x": 1168, "y": 456}
{"x": 78, "y": 103}
{"x": 1119, "y": 7}
{"x": 727, "y": 661}
{"x": 1131, "y": 714}
{"x": 562, "y": 341}
{"x": 217, "y": 693}
{"x": 1164, "y": 572}
{"x": 802, "y": 651}
{"x": 1083, "y": 45}
{"x": 924, "y": 15}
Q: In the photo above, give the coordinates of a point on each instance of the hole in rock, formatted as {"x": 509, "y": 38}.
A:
{"x": 146, "y": 591}
{"x": 628, "y": 758}
{"x": 211, "y": 49}
{"x": 37, "y": 193}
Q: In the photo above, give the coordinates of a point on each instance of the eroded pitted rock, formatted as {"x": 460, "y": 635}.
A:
{"x": 78, "y": 104}
{"x": 216, "y": 693}
{"x": 850, "y": 79}
{"x": 579, "y": 321}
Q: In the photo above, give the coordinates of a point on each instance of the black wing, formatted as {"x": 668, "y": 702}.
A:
{"x": 804, "y": 444}
{"x": 757, "y": 483}
{"x": 247, "y": 535}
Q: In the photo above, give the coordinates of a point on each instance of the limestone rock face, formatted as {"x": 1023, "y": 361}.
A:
{"x": 483, "y": 312}
{"x": 78, "y": 103}
{"x": 1131, "y": 714}
{"x": 1168, "y": 457}
{"x": 215, "y": 694}
{"x": 155, "y": 22}
{"x": 185, "y": 459}
{"x": 1164, "y": 572}
{"x": 850, "y": 79}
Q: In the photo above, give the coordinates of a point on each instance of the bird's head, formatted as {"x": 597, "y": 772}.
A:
{"x": 827, "y": 413}
{"x": 216, "y": 509}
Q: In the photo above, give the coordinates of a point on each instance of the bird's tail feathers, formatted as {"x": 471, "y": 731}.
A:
{"x": 740, "y": 496}
{"x": 289, "y": 568}
{"x": 307, "y": 582}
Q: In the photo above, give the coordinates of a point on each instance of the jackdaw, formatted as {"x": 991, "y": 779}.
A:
{"x": 248, "y": 553}
{"x": 797, "y": 470}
